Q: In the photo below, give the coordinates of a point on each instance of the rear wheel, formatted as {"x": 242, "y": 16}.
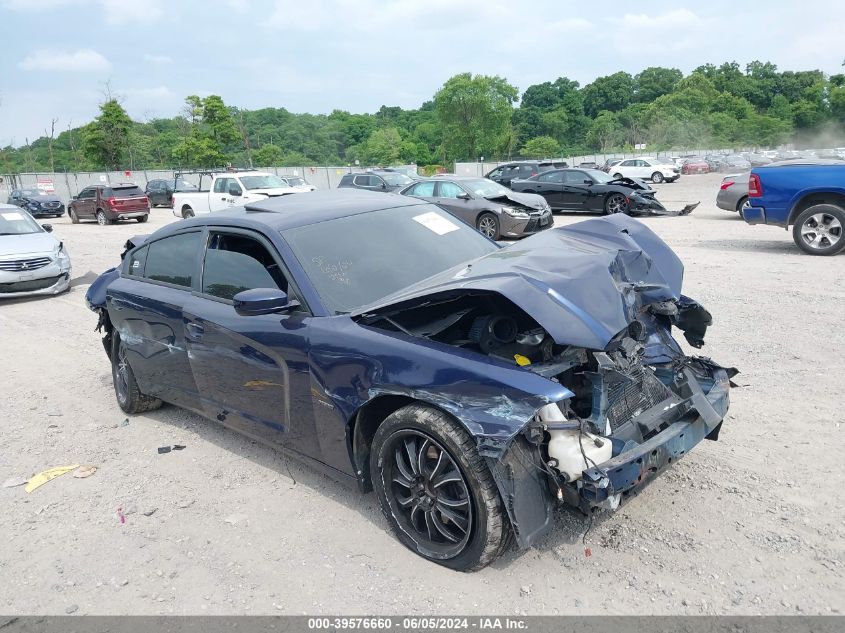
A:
{"x": 142, "y": 219}
{"x": 488, "y": 224}
{"x": 615, "y": 203}
{"x": 187, "y": 212}
{"x": 740, "y": 204}
{"x": 657, "y": 177}
{"x": 435, "y": 491}
{"x": 129, "y": 396}
{"x": 818, "y": 230}
{"x": 102, "y": 220}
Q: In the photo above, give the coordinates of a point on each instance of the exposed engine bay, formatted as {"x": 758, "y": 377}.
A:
{"x": 623, "y": 395}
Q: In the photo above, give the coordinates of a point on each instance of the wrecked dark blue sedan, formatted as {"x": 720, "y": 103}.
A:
{"x": 473, "y": 386}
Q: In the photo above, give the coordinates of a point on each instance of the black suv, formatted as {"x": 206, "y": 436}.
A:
{"x": 160, "y": 190}
{"x": 504, "y": 173}
{"x": 381, "y": 180}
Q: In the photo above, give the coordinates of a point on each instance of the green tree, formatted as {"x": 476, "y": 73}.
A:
{"x": 268, "y": 155}
{"x": 105, "y": 139}
{"x": 474, "y": 114}
{"x": 655, "y": 82}
{"x": 383, "y": 147}
{"x": 605, "y": 132}
{"x": 541, "y": 147}
{"x": 611, "y": 93}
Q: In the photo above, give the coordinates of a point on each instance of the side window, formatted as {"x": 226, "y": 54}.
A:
{"x": 221, "y": 185}
{"x": 86, "y": 193}
{"x": 423, "y": 189}
{"x": 448, "y": 190}
{"x": 173, "y": 259}
{"x": 234, "y": 184}
{"x": 628, "y": 163}
{"x": 575, "y": 177}
{"x": 552, "y": 176}
{"x": 363, "y": 181}
{"x": 496, "y": 173}
{"x": 234, "y": 263}
{"x": 526, "y": 171}
{"x": 511, "y": 172}
{"x": 136, "y": 263}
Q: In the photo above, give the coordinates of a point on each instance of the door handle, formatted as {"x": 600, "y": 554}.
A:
{"x": 194, "y": 331}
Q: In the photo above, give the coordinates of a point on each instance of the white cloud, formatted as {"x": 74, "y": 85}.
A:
{"x": 82, "y": 60}
{"x": 158, "y": 92}
{"x": 669, "y": 20}
{"x": 157, "y": 59}
{"x": 570, "y": 24}
{"x": 37, "y": 5}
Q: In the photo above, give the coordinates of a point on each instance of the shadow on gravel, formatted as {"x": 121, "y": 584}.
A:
{"x": 784, "y": 246}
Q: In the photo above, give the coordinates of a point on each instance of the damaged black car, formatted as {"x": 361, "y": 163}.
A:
{"x": 593, "y": 191}
{"x": 377, "y": 337}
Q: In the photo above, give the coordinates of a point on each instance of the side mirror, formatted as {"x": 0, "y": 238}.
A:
{"x": 383, "y": 185}
{"x": 587, "y": 181}
{"x": 74, "y": 197}
{"x": 463, "y": 196}
{"x": 263, "y": 301}
{"x": 234, "y": 190}
{"x": 47, "y": 227}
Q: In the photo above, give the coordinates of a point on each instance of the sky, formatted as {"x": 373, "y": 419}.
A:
{"x": 58, "y": 58}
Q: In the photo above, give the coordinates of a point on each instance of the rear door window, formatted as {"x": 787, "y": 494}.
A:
{"x": 553, "y": 176}
{"x": 173, "y": 259}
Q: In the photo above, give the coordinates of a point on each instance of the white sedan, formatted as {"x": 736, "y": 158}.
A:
{"x": 32, "y": 262}
{"x": 652, "y": 169}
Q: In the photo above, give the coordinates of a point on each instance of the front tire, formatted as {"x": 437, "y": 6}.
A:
{"x": 129, "y": 396}
{"x": 74, "y": 219}
{"x": 818, "y": 230}
{"x": 615, "y": 203}
{"x": 617, "y": 176}
{"x": 436, "y": 491}
{"x": 657, "y": 177}
{"x": 488, "y": 224}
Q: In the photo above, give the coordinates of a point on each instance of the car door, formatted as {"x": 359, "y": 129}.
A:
{"x": 252, "y": 372}
{"x": 456, "y": 200}
{"x": 85, "y": 202}
{"x": 424, "y": 190}
{"x": 550, "y": 186}
{"x": 220, "y": 197}
{"x": 145, "y": 305}
{"x": 576, "y": 190}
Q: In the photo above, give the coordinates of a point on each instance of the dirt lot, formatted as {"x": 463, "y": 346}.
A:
{"x": 750, "y": 524}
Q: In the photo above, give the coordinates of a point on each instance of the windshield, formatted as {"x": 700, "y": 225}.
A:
{"x": 598, "y": 175}
{"x": 266, "y": 181}
{"x": 295, "y": 182}
{"x": 394, "y": 179}
{"x": 356, "y": 260}
{"x": 32, "y": 193}
{"x": 485, "y": 188}
{"x": 18, "y": 223}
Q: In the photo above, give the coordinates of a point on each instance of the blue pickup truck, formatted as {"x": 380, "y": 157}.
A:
{"x": 808, "y": 195}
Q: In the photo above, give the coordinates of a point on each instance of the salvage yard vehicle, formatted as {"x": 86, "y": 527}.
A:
{"x": 32, "y": 262}
{"x": 108, "y": 204}
{"x": 593, "y": 191}
{"x": 298, "y": 184}
{"x": 160, "y": 190}
{"x": 807, "y": 194}
{"x": 733, "y": 193}
{"x": 493, "y": 210}
{"x": 229, "y": 189}
{"x": 655, "y": 169}
{"x": 506, "y": 172}
{"x": 37, "y": 203}
{"x": 472, "y": 390}
{"x": 383, "y": 180}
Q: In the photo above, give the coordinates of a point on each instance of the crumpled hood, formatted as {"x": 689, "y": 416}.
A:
{"x": 28, "y": 244}
{"x": 583, "y": 283}
{"x": 530, "y": 200}
{"x": 43, "y": 199}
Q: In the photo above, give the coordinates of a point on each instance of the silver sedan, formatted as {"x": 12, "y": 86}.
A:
{"x": 32, "y": 262}
{"x": 733, "y": 193}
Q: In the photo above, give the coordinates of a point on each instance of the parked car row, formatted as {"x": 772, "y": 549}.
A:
{"x": 37, "y": 203}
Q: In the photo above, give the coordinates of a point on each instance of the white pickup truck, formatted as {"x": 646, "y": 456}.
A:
{"x": 230, "y": 189}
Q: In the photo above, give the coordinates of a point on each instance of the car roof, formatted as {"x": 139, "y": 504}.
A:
{"x": 285, "y": 212}
{"x": 8, "y": 207}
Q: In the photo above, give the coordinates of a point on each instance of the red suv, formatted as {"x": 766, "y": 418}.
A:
{"x": 109, "y": 203}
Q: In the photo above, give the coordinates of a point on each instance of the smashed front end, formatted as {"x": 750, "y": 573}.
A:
{"x": 590, "y": 307}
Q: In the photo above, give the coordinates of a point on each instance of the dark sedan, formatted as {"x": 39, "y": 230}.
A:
{"x": 160, "y": 190}
{"x": 591, "y": 191}
{"x": 38, "y": 203}
{"x": 391, "y": 345}
{"x": 486, "y": 205}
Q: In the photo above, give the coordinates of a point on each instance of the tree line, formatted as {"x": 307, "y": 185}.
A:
{"x": 470, "y": 116}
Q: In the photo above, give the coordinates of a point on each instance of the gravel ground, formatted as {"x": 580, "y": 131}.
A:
{"x": 750, "y": 524}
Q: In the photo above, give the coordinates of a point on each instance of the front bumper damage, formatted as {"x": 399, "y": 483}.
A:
{"x": 530, "y": 489}
{"x": 51, "y": 279}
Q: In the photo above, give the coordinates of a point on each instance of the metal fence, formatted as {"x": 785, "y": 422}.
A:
{"x": 67, "y": 185}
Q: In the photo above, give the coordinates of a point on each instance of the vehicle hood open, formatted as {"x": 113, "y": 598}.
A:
{"x": 528, "y": 200}
{"x": 583, "y": 283}
{"x": 634, "y": 183}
